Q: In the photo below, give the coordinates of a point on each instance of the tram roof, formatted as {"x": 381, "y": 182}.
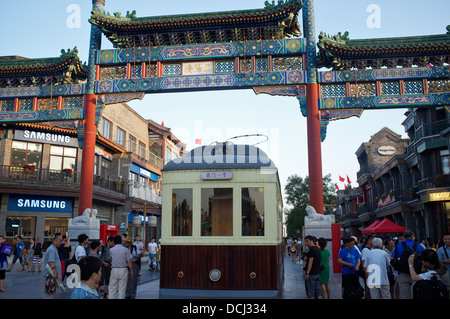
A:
{"x": 222, "y": 156}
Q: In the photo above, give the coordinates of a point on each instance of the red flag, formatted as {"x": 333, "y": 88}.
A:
{"x": 341, "y": 179}
{"x": 348, "y": 180}
{"x": 337, "y": 187}
{"x": 198, "y": 141}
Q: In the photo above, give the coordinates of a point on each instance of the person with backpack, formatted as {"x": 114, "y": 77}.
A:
{"x": 399, "y": 261}
{"x": 37, "y": 255}
{"x": 428, "y": 283}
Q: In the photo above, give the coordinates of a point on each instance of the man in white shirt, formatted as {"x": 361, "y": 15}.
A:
{"x": 376, "y": 265}
{"x": 153, "y": 251}
{"x": 80, "y": 251}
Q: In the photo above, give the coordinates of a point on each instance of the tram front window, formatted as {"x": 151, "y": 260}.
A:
{"x": 217, "y": 212}
{"x": 182, "y": 212}
{"x": 253, "y": 211}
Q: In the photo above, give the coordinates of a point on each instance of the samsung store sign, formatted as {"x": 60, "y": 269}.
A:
{"x": 34, "y": 203}
{"x": 42, "y": 137}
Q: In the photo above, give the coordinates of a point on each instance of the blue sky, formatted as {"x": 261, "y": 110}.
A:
{"x": 34, "y": 29}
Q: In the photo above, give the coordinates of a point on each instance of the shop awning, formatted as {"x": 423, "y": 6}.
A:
{"x": 370, "y": 227}
{"x": 387, "y": 226}
{"x": 383, "y": 226}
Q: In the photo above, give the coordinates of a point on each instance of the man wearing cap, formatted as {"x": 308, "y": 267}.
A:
{"x": 120, "y": 269}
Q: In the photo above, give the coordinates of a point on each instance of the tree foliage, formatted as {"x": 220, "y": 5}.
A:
{"x": 297, "y": 195}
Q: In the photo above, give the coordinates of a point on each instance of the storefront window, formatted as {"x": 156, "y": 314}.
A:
{"x": 55, "y": 225}
{"x": 24, "y": 153}
{"x": 20, "y": 226}
{"x": 253, "y": 211}
{"x": 182, "y": 212}
{"x": 217, "y": 212}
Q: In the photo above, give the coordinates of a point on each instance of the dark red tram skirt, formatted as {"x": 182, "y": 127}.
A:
{"x": 241, "y": 267}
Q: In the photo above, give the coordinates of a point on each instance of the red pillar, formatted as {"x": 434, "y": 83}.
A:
{"x": 314, "y": 148}
{"x": 88, "y": 159}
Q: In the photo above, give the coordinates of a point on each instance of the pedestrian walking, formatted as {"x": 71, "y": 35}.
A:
{"x": 51, "y": 258}
{"x": 106, "y": 270}
{"x": 403, "y": 281}
{"x": 90, "y": 274}
{"x": 312, "y": 275}
{"x": 350, "y": 259}
{"x": 17, "y": 253}
{"x": 37, "y": 255}
{"x": 3, "y": 265}
{"x": 65, "y": 252}
{"x": 30, "y": 255}
{"x": 376, "y": 266}
{"x": 136, "y": 255}
{"x": 153, "y": 254}
{"x": 121, "y": 265}
{"x": 24, "y": 262}
{"x": 324, "y": 268}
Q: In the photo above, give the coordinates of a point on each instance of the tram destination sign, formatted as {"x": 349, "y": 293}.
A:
{"x": 216, "y": 175}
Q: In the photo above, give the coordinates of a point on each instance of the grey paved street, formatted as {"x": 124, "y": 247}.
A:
{"x": 28, "y": 285}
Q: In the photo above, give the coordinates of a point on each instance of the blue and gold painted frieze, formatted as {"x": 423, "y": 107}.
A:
{"x": 379, "y": 102}
{"x": 384, "y": 74}
{"x": 42, "y": 116}
{"x": 40, "y": 91}
{"x": 209, "y": 81}
{"x": 293, "y": 46}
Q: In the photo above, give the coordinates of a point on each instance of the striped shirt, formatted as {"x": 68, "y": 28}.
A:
{"x": 119, "y": 256}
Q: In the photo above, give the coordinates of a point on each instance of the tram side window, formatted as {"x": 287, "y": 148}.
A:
{"x": 217, "y": 212}
{"x": 182, "y": 212}
{"x": 253, "y": 211}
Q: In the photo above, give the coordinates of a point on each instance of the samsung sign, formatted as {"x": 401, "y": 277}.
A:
{"x": 33, "y": 203}
{"x": 42, "y": 137}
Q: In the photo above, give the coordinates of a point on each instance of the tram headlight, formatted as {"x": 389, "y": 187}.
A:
{"x": 215, "y": 275}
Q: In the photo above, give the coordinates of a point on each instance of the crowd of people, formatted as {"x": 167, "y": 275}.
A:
{"x": 105, "y": 270}
{"x": 376, "y": 268}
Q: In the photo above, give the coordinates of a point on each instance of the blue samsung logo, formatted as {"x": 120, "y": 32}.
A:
{"x": 40, "y": 203}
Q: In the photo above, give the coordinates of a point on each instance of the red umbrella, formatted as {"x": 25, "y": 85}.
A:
{"x": 387, "y": 226}
{"x": 369, "y": 228}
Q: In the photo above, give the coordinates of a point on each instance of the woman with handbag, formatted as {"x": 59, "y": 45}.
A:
{"x": 3, "y": 263}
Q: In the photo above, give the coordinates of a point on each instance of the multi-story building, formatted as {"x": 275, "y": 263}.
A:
{"x": 406, "y": 180}
{"x": 41, "y": 162}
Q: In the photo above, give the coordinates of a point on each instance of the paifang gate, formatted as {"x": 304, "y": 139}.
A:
{"x": 262, "y": 49}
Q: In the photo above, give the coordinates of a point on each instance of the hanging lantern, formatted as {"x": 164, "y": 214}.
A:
{"x": 137, "y": 221}
{"x": 152, "y": 221}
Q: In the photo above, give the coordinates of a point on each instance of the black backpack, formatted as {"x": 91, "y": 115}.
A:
{"x": 400, "y": 263}
{"x": 430, "y": 289}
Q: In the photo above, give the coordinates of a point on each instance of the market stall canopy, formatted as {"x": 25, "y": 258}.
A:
{"x": 387, "y": 226}
{"x": 369, "y": 228}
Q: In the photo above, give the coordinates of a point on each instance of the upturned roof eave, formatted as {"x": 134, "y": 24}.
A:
{"x": 109, "y": 23}
{"x": 378, "y": 45}
{"x": 53, "y": 65}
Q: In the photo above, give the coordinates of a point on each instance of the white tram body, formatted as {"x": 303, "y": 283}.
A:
{"x": 221, "y": 224}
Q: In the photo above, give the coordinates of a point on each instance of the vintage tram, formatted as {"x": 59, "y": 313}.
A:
{"x": 221, "y": 224}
